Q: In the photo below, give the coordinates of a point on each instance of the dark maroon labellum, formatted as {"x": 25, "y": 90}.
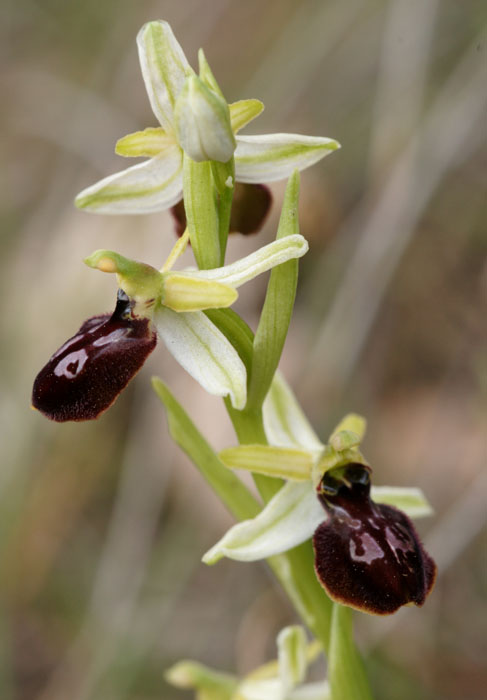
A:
{"x": 85, "y": 376}
{"x": 251, "y": 205}
{"x": 368, "y": 555}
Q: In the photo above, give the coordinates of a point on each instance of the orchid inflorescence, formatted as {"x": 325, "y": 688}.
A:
{"x": 367, "y": 554}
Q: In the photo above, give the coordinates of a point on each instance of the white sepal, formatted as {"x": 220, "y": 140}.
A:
{"x": 411, "y": 501}
{"x": 204, "y": 352}
{"x": 270, "y": 157}
{"x": 141, "y": 189}
{"x": 267, "y": 257}
{"x": 164, "y": 68}
{"x": 290, "y": 517}
{"x": 284, "y": 421}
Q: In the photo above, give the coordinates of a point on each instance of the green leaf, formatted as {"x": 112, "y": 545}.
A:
{"x": 226, "y": 485}
{"x": 235, "y": 330}
{"x": 346, "y": 671}
{"x": 201, "y": 209}
{"x": 278, "y": 306}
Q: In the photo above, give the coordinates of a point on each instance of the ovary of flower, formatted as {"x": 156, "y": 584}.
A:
{"x": 194, "y": 119}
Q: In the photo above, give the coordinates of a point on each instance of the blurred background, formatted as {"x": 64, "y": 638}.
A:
{"x": 103, "y": 524}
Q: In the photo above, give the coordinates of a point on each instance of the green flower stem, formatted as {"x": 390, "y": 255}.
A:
{"x": 346, "y": 672}
{"x": 200, "y": 204}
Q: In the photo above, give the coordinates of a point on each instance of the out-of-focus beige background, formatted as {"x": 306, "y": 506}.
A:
{"x": 102, "y": 525}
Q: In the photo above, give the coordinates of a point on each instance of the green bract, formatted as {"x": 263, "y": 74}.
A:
{"x": 296, "y": 454}
{"x": 175, "y": 302}
{"x": 195, "y": 119}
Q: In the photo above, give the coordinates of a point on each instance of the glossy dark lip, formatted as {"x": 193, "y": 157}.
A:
{"x": 367, "y": 555}
{"x": 85, "y": 376}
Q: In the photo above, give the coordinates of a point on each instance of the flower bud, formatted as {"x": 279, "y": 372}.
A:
{"x": 202, "y": 122}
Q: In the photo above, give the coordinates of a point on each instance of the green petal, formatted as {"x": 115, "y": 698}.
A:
{"x": 284, "y": 420}
{"x": 142, "y": 189}
{"x": 273, "y": 157}
{"x": 411, "y": 501}
{"x": 290, "y": 517}
{"x": 284, "y": 462}
{"x": 164, "y": 68}
{"x": 147, "y": 143}
{"x": 256, "y": 263}
{"x": 243, "y": 112}
{"x": 184, "y": 293}
{"x": 204, "y": 352}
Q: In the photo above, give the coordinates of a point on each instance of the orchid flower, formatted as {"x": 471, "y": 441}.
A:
{"x": 85, "y": 376}
{"x": 277, "y": 680}
{"x": 367, "y": 552}
{"x": 194, "y": 119}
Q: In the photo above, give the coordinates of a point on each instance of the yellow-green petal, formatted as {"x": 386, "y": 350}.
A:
{"x": 243, "y": 112}
{"x": 184, "y": 293}
{"x": 147, "y": 143}
{"x": 284, "y": 462}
